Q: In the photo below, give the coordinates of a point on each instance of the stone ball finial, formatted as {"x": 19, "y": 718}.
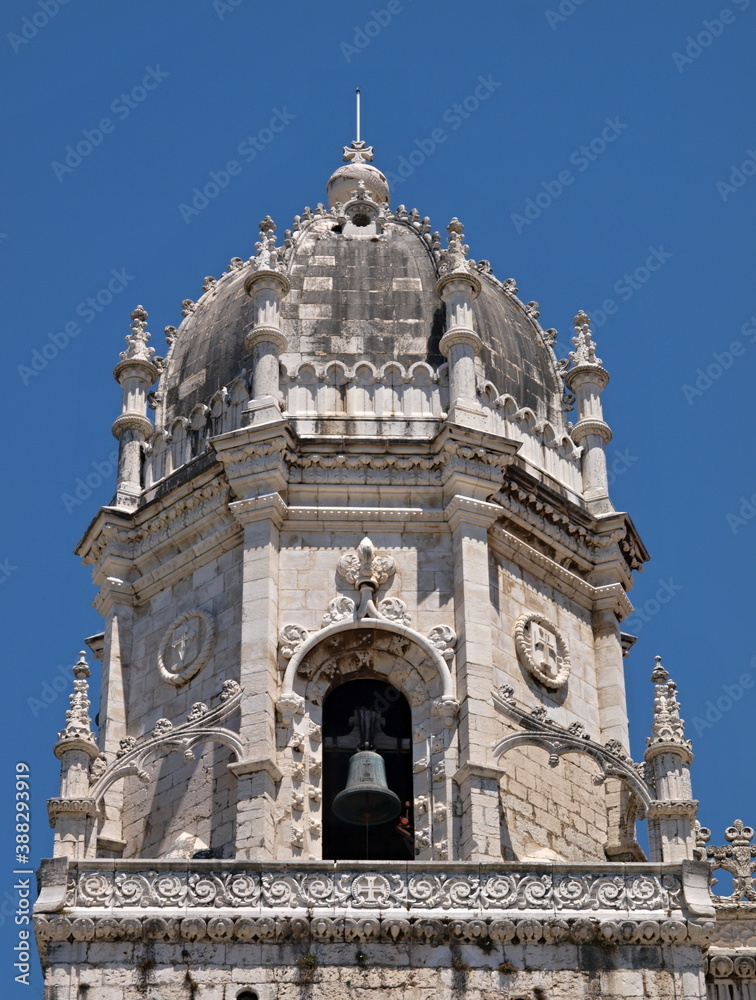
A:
{"x": 356, "y": 170}
{"x": 659, "y": 675}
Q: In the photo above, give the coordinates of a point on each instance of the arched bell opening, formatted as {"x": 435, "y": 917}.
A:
{"x": 358, "y": 714}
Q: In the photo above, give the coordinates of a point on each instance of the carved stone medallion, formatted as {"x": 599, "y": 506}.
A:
{"x": 543, "y": 650}
{"x": 186, "y": 647}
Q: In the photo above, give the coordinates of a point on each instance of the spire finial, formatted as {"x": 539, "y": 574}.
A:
{"x": 357, "y": 98}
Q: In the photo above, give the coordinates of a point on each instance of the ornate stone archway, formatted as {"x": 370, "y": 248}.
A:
{"x": 414, "y": 664}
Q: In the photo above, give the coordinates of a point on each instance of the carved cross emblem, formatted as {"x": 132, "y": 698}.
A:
{"x": 183, "y": 636}
{"x": 543, "y": 649}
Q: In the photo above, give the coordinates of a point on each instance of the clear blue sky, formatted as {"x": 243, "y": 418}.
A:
{"x": 607, "y": 163}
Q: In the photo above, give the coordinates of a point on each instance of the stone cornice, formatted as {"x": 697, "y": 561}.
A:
{"x": 366, "y": 518}
{"x": 226, "y": 925}
{"x": 664, "y": 808}
{"x": 464, "y": 510}
{"x": 269, "y": 507}
{"x": 254, "y": 458}
{"x": 69, "y": 807}
{"x": 611, "y": 596}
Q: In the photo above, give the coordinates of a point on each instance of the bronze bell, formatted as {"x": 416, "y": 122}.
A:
{"x": 367, "y": 799}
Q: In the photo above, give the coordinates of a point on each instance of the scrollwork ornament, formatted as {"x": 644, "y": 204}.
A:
{"x": 395, "y": 610}
{"x": 291, "y": 637}
{"x": 339, "y": 609}
{"x": 444, "y": 639}
{"x": 186, "y": 647}
{"x": 542, "y": 649}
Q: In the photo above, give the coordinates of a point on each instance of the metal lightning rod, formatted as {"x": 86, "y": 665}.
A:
{"x": 357, "y": 93}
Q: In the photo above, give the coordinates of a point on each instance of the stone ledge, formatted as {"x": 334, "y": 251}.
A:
{"x": 229, "y": 926}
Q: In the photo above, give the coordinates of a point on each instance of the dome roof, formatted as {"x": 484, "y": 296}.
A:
{"x": 358, "y": 295}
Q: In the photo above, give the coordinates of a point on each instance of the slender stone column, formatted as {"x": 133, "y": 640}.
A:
{"x": 672, "y": 816}
{"x": 258, "y": 773}
{"x": 72, "y": 814}
{"x": 478, "y": 783}
{"x": 135, "y": 372}
{"x": 587, "y": 379}
{"x": 458, "y": 288}
{"x": 265, "y": 340}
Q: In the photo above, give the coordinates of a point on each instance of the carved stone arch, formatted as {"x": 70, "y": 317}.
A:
{"x": 136, "y": 756}
{"x": 416, "y": 667}
{"x": 559, "y": 743}
{"x": 397, "y": 640}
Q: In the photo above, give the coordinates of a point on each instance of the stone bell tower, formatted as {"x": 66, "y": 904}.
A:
{"x": 366, "y": 520}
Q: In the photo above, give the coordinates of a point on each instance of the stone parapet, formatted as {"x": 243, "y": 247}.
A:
{"x": 384, "y": 890}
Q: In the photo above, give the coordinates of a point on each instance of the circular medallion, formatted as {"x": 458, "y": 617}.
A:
{"x": 186, "y": 647}
{"x": 543, "y": 650}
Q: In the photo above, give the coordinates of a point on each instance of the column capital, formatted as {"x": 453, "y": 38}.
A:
{"x": 265, "y": 335}
{"x": 267, "y": 280}
{"x": 460, "y": 335}
{"x": 271, "y": 507}
{"x": 466, "y": 510}
{"x": 583, "y": 428}
{"x": 456, "y": 282}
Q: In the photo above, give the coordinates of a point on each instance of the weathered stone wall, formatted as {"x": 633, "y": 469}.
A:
{"x": 552, "y": 813}
{"x": 305, "y": 971}
{"x": 196, "y": 797}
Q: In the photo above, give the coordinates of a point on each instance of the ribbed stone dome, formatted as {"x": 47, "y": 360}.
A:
{"x": 358, "y": 295}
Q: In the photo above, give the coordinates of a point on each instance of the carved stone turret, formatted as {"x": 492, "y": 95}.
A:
{"x": 264, "y": 339}
{"x": 588, "y": 378}
{"x": 71, "y": 814}
{"x": 458, "y": 288}
{"x": 136, "y": 371}
{"x": 671, "y": 816}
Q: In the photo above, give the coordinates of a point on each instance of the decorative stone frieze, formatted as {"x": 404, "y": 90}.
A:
{"x": 635, "y": 888}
